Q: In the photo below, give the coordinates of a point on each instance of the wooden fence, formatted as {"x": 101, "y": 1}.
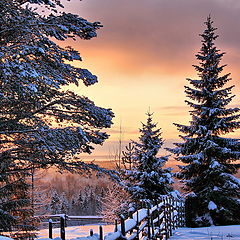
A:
{"x": 155, "y": 222}
{"x": 62, "y": 221}
{"x": 152, "y": 222}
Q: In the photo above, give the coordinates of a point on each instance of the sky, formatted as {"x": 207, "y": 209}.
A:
{"x": 143, "y": 55}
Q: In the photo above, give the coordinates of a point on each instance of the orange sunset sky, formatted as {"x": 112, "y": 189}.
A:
{"x": 143, "y": 55}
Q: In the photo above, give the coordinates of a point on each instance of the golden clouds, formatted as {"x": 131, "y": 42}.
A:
{"x": 144, "y": 53}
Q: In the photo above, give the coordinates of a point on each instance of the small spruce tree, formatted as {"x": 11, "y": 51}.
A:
{"x": 147, "y": 180}
{"x": 209, "y": 157}
{"x": 56, "y": 203}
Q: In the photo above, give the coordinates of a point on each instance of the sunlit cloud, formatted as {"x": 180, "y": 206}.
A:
{"x": 143, "y": 55}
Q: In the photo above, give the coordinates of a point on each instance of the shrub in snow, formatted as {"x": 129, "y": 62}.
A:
{"x": 147, "y": 180}
{"x": 115, "y": 203}
{"x": 210, "y": 158}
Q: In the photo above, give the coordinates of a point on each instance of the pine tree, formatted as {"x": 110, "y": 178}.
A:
{"x": 209, "y": 157}
{"x": 15, "y": 197}
{"x": 64, "y": 204}
{"x": 56, "y": 203}
{"x": 148, "y": 180}
{"x": 41, "y": 123}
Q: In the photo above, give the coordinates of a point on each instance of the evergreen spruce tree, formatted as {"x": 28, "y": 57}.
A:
{"x": 148, "y": 180}
{"x": 16, "y": 197}
{"x": 208, "y": 157}
{"x": 42, "y": 124}
{"x": 65, "y": 206}
{"x": 56, "y": 203}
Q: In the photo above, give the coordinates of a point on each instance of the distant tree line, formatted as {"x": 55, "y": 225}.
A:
{"x": 71, "y": 194}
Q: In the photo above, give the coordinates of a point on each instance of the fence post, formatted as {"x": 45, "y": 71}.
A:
{"x": 50, "y": 224}
{"x": 62, "y": 227}
{"x": 116, "y": 228}
{"x": 122, "y": 225}
{"x": 152, "y": 225}
{"x": 137, "y": 226}
{"x": 158, "y": 213}
{"x": 159, "y": 221}
{"x": 65, "y": 218}
{"x": 182, "y": 213}
{"x": 173, "y": 214}
{"x": 100, "y": 232}
{"x": 179, "y": 213}
{"x": 170, "y": 216}
{"x": 131, "y": 214}
{"x": 165, "y": 218}
{"x": 177, "y": 216}
{"x": 148, "y": 223}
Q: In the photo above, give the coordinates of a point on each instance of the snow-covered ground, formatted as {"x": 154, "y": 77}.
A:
{"x": 208, "y": 233}
{"x": 5, "y": 238}
{"x": 76, "y": 231}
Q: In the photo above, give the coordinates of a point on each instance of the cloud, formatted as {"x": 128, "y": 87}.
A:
{"x": 145, "y": 51}
{"x": 158, "y": 35}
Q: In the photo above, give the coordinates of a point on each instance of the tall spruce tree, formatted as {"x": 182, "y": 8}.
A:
{"x": 210, "y": 158}
{"x": 148, "y": 180}
{"x": 41, "y": 123}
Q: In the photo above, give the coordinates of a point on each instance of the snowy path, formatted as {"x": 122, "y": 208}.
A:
{"x": 208, "y": 233}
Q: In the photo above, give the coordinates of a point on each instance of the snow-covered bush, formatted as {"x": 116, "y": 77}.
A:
{"x": 115, "y": 203}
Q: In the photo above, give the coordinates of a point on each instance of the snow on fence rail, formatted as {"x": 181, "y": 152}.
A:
{"x": 153, "y": 222}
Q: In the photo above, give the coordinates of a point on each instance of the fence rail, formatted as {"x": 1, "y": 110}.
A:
{"x": 152, "y": 222}
{"x": 62, "y": 220}
{"x": 155, "y": 222}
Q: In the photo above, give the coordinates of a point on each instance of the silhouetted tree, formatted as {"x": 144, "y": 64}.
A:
{"x": 128, "y": 156}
